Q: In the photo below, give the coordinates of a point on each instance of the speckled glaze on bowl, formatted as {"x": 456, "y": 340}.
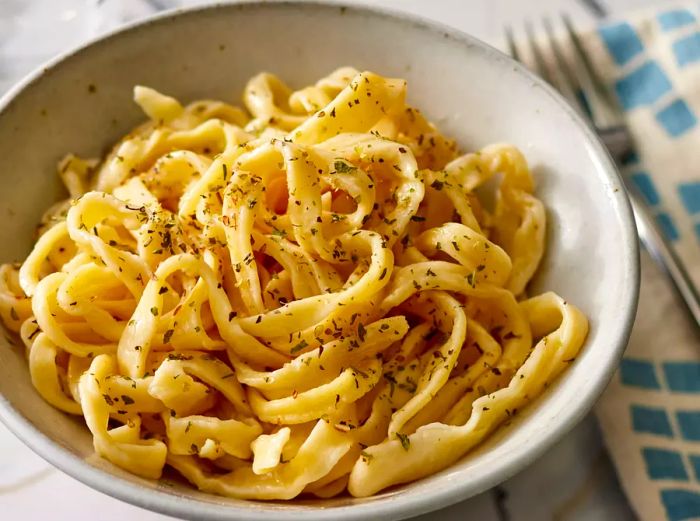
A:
{"x": 81, "y": 102}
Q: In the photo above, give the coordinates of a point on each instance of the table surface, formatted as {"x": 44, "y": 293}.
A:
{"x": 574, "y": 481}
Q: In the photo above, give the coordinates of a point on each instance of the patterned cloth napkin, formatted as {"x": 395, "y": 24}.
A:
{"x": 650, "y": 413}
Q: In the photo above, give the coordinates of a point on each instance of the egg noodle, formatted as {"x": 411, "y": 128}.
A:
{"x": 305, "y": 301}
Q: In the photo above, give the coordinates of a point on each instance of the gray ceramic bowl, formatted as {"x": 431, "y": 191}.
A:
{"x": 82, "y": 103}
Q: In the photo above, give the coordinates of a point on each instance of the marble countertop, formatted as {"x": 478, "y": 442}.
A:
{"x": 574, "y": 481}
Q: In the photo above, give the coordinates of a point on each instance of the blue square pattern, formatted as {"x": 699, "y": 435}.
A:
{"x": 676, "y": 18}
{"x": 689, "y": 424}
{"x": 695, "y": 463}
{"x": 643, "y": 182}
{"x": 651, "y": 420}
{"x": 622, "y": 42}
{"x": 690, "y": 196}
{"x": 687, "y": 49}
{"x": 682, "y": 377}
{"x": 638, "y": 373}
{"x": 664, "y": 464}
{"x": 676, "y": 118}
{"x": 681, "y": 505}
{"x": 642, "y": 86}
{"x": 667, "y": 226}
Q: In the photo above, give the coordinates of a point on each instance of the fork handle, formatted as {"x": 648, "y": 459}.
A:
{"x": 662, "y": 252}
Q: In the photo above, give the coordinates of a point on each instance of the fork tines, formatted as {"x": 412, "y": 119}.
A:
{"x": 564, "y": 63}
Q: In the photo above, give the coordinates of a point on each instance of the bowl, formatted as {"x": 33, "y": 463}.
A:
{"x": 81, "y": 102}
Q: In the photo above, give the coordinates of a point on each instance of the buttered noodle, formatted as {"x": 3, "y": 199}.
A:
{"x": 308, "y": 300}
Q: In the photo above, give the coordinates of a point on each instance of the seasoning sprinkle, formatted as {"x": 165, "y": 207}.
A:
{"x": 405, "y": 440}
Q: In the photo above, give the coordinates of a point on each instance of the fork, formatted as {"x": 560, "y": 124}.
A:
{"x": 587, "y": 93}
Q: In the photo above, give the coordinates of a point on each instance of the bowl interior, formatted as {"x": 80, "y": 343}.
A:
{"x": 82, "y": 104}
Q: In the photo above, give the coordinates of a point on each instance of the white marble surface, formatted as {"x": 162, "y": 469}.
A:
{"x": 573, "y": 482}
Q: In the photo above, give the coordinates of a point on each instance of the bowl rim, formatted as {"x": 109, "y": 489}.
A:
{"x": 390, "y": 506}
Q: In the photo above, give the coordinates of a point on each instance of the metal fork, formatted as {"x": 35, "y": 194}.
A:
{"x": 584, "y": 89}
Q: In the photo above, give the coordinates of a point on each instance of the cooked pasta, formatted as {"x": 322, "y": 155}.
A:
{"x": 305, "y": 298}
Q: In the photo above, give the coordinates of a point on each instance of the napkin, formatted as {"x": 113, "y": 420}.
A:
{"x": 650, "y": 413}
